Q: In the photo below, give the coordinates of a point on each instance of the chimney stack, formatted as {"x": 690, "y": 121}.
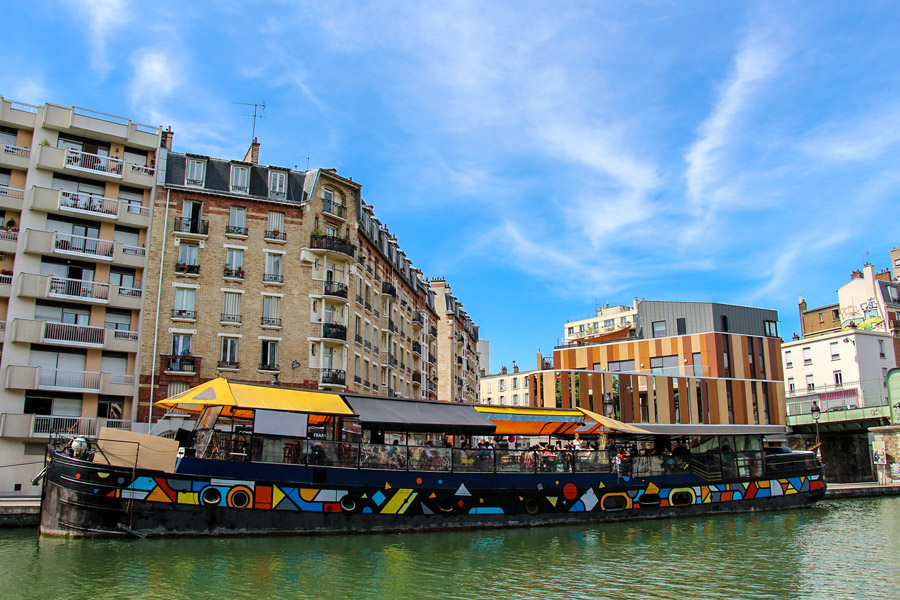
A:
{"x": 252, "y": 155}
{"x": 165, "y": 138}
{"x": 503, "y": 370}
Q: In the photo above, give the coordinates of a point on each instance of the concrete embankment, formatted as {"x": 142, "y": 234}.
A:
{"x": 19, "y": 512}
{"x": 862, "y": 489}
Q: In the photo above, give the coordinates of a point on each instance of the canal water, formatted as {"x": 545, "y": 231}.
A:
{"x": 837, "y": 549}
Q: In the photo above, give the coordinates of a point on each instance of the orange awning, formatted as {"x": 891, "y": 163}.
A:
{"x": 606, "y": 424}
{"x": 532, "y": 421}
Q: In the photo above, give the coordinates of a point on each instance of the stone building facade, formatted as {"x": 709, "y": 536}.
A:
{"x": 456, "y": 346}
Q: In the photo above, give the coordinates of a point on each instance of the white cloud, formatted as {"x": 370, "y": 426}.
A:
{"x": 103, "y": 17}
{"x": 155, "y": 76}
{"x": 30, "y": 90}
{"x": 864, "y": 138}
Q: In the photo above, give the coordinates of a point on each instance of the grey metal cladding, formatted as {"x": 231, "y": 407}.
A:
{"x": 218, "y": 175}
{"x": 259, "y": 181}
{"x": 175, "y": 169}
{"x": 702, "y": 317}
{"x": 295, "y": 187}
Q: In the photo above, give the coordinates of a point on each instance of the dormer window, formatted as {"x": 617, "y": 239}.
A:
{"x": 277, "y": 184}
{"x": 240, "y": 179}
{"x": 196, "y": 172}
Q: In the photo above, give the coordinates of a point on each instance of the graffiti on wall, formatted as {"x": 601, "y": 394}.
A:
{"x": 864, "y": 315}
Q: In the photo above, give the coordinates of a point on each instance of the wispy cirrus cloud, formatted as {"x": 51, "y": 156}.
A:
{"x": 862, "y": 138}
{"x": 103, "y": 17}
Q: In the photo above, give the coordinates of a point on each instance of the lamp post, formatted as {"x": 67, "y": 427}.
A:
{"x": 815, "y": 411}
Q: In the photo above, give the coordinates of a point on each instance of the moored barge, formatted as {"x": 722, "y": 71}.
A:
{"x": 265, "y": 460}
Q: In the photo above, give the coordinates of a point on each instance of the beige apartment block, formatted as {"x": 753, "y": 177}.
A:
{"x": 272, "y": 275}
{"x": 506, "y": 388}
{"x": 76, "y": 191}
{"x": 457, "y": 340}
{"x": 605, "y": 319}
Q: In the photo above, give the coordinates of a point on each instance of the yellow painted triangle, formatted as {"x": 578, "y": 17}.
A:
{"x": 432, "y": 495}
{"x": 277, "y": 496}
{"x": 601, "y": 486}
{"x": 365, "y": 495}
{"x": 308, "y": 494}
{"x": 552, "y": 500}
{"x": 521, "y": 498}
{"x": 157, "y": 495}
{"x": 387, "y": 486}
{"x": 652, "y": 489}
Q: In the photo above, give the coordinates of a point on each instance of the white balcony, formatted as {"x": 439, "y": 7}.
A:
{"x": 22, "y": 377}
{"x": 90, "y": 205}
{"x": 32, "y": 331}
{"x": 26, "y": 426}
{"x": 8, "y": 239}
{"x": 17, "y": 114}
{"x": 95, "y": 166}
{"x": 11, "y": 198}
{"x": 99, "y": 125}
{"x": 14, "y": 157}
{"x": 67, "y": 245}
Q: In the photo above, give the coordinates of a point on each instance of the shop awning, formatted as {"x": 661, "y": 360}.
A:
{"x": 240, "y": 398}
{"x": 532, "y": 421}
{"x": 411, "y": 415}
{"x": 679, "y": 429}
{"x": 608, "y": 425}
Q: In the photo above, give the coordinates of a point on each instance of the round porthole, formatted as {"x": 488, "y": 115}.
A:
{"x": 239, "y": 497}
{"x": 348, "y": 503}
{"x": 649, "y": 500}
{"x": 210, "y": 496}
{"x": 532, "y": 506}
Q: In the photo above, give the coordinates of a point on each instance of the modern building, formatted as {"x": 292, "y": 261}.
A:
{"x": 268, "y": 274}
{"x": 506, "y": 388}
{"x": 605, "y": 320}
{"x": 76, "y": 191}
{"x": 836, "y": 373}
{"x": 456, "y": 347}
{"x": 681, "y": 362}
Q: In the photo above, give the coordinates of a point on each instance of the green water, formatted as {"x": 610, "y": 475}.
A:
{"x": 838, "y": 549}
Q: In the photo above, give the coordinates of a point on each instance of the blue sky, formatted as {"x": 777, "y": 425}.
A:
{"x": 544, "y": 157}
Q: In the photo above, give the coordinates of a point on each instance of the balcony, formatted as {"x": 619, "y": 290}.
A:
{"x": 18, "y": 114}
{"x": 186, "y": 269}
{"x": 417, "y": 378}
{"x": 100, "y": 125}
{"x": 334, "y": 288}
{"x": 389, "y": 289}
{"x": 229, "y": 273}
{"x": 85, "y": 246}
{"x": 273, "y": 278}
{"x": 27, "y": 426}
{"x": 31, "y": 331}
{"x": 227, "y": 365}
{"x": 77, "y": 289}
{"x": 334, "y": 331}
{"x": 417, "y": 348}
{"x": 67, "y": 203}
{"x": 331, "y": 244}
{"x": 431, "y": 358}
{"x": 180, "y": 365}
{"x": 275, "y": 235}
{"x": 273, "y": 322}
{"x": 270, "y": 367}
{"x": 14, "y": 157}
{"x": 8, "y": 240}
{"x": 198, "y": 228}
{"x": 95, "y": 166}
{"x": 11, "y": 198}
{"x": 234, "y": 230}
{"x": 392, "y": 326}
{"x": 181, "y": 314}
{"x": 391, "y": 360}
{"x": 333, "y": 208}
{"x": 332, "y": 377}
{"x": 432, "y": 331}
{"x": 229, "y": 318}
{"x": 418, "y": 320}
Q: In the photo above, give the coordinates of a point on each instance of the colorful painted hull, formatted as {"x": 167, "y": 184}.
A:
{"x": 210, "y": 497}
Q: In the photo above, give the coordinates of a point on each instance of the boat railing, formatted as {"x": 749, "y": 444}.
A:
{"x": 711, "y": 466}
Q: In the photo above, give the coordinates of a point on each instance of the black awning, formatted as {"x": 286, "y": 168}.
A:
{"x": 711, "y": 429}
{"x": 413, "y": 415}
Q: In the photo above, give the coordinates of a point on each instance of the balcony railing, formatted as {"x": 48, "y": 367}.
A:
{"x": 76, "y": 334}
{"x": 187, "y": 269}
{"x": 93, "y": 162}
{"x": 181, "y": 313}
{"x": 196, "y": 226}
{"x": 334, "y": 288}
{"x": 275, "y": 234}
{"x": 273, "y": 278}
{"x": 77, "y": 288}
{"x": 269, "y": 367}
{"x": 270, "y": 321}
{"x": 334, "y": 331}
{"x": 84, "y": 245}
{"x": 327, "y": 242}
{"x": 229, "y": 318}
{"x": 92, "y": 203}
{"x": 130, "y": 292}
{"x": 417, "y": 378}
{"x": 228, "y": 364}
{"x": 389, "y": 289}
{"x": 125, "y": 334}
{"x": 11, "y": 192}
{"x": 45, "y": 425}
{"x": 16, "y": 151}
{"x": 338, "y": 210}
{"x": 233, "y": 273}
{"x": 333, "y": 377}
{"x": 392, "y": 326}
{"x": 417, "y": 348}
{"x": 180, "y": 364}
{"x": 235, "y": 230}
{"x": 82, "y": 380}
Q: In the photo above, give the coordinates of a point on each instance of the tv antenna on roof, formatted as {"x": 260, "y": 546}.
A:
{"x": 256, "y": 109}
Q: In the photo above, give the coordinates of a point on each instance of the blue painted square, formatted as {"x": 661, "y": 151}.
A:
{"x": 378, "y": 498}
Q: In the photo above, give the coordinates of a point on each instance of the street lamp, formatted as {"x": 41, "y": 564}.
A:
{"x": 815, "y": 411}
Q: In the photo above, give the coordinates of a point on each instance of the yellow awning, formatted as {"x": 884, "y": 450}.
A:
{"x": 240, "y": 398}
{"x": 532, "y": 421}
{"x": 605, "y": 424}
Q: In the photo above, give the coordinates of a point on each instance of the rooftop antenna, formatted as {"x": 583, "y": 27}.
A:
{"x": 256, "y": 109}
{"x": 863, "y": 255}
{"x": 307, "y": 162}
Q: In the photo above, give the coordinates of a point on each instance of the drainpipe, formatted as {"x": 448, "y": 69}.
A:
{"x": 162, "y": 260}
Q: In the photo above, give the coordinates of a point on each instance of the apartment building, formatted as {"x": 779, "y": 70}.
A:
{"x": 268, "y": 274}
{"x": 506, "y": 388}
{"x": 457, "y": 342}
{"x": 76, "y": 191}
{"x": 682, "y": 362}
{"x": 605, "y": 320}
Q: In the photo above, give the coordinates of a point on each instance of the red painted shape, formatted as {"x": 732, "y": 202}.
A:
{"x": 816, "y": 484}
{"x": 570, "y": 491}
{"x": 726, "y": 497}
{"x": 751, "y": 491}
{"x": 77, "y": 475}
{"x": 164, "y": 486}
{"x": 263, "y": 496}
{"x": 664, "y": 502}
{"x": 460, "y": 503}
{"x": 419, "y": 480}
{"x": 331, "y": 507}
